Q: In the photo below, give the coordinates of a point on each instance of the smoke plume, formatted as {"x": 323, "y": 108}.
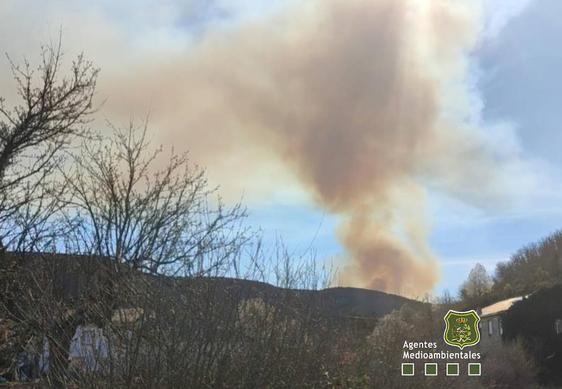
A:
{"x": 349, "y": 95}
{"x": 366, "y": 102}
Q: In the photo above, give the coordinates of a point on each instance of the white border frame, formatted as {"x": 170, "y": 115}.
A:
{"x": 413, "y": 369}
{"x": 458, "y": 369}
{"x": 479, "y": 369}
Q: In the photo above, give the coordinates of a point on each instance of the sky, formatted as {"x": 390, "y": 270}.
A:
{"x": 402, "y": 141}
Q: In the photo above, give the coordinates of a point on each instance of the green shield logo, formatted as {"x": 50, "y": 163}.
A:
{"x": 461, "y": 328}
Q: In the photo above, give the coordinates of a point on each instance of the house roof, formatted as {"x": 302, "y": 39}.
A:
{"x": 500, "y": 306}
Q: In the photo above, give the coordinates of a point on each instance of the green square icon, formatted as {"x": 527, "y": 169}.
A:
{"x": 474, "y": 369}
{"x": 452, "y": 369}
{"x": 431, "y": 369}
{"x": 407, "y": 369}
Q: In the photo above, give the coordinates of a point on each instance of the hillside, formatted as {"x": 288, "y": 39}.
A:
{"x": 76, "y": 276}
{"x": 336, "y": 301}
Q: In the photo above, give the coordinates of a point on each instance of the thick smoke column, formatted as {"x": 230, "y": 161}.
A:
{"x": 362, "y": 99}
{"x": 352, "y": 111}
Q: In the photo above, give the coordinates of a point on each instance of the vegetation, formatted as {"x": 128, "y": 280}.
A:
{"x": 476, "y": 289}
{"x": 109, "y": 235}
{"x": 535, "y": 266}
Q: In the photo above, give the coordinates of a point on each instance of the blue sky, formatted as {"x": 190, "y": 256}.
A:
{"x": 496, "y": 80}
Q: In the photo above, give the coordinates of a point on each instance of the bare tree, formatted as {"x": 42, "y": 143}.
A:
{"x": 153, "y": 219}
{"x": 126, "y": 217}
{"x": 34, "y": 133}
{"x": 477, "y": 286}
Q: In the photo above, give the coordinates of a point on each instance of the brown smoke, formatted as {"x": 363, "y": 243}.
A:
{"x": 349, "y": 95}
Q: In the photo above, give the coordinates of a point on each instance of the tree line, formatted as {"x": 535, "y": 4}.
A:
{"x": 533, "y": 267}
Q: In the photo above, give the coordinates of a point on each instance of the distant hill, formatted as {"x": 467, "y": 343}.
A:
{"x": 78, "y": 275}
{"x": 337, "y": 301}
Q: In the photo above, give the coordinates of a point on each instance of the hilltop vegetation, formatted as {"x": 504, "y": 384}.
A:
{"x": 536, "y": 266}
{"x": 533, "y": 267}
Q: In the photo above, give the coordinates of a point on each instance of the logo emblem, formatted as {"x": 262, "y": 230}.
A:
{"x": 461, "y": 328}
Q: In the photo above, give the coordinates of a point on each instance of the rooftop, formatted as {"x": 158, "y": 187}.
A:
{"x": 500, "y": 306}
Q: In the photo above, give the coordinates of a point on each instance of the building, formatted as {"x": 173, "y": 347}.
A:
{"x": 491, "y": 325}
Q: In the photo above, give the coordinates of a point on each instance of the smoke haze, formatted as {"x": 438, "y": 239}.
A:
{"x": 366, "y": 103}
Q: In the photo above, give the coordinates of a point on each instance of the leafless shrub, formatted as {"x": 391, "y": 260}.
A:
{"x": 510, "y": 366}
